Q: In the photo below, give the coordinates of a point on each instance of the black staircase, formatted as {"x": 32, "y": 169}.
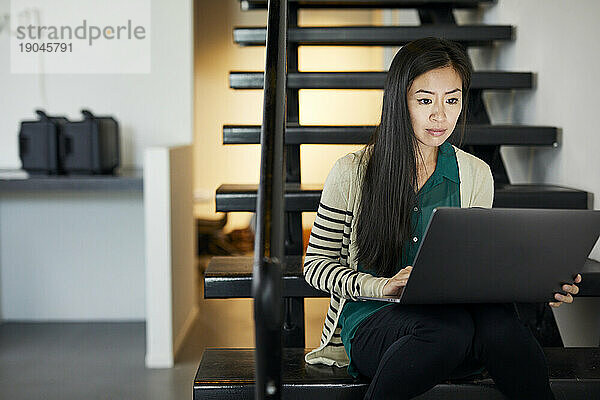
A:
{"x": 229, "y": 373}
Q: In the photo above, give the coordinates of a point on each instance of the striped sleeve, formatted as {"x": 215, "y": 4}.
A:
{"x": 326, "y": 261}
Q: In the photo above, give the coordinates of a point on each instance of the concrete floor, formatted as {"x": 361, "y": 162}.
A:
{"x": 87, "y": 361}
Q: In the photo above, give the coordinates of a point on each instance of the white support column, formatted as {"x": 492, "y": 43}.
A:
{"x": 171, "y": 300}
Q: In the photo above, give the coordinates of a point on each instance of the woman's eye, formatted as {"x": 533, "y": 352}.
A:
{"x": 453, "y": 101}
{"x": 424, "y": 101}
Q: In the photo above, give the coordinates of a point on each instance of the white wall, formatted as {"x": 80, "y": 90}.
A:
{"x": 153, "y": 109}
{"x": 72, "y": 256}
{"x": 558, "y": 41}
{"x": 80, "y": 256}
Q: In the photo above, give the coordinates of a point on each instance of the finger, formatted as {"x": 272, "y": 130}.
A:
{"x": 578, "y": 278}
{"x": 558, "y": 296}
{"x": 555, "y": 305}
{"x": 571, "y": 289}
{"x": 568, "y": 288}
{"x": 565, "y": 299}
{"x": 568, "y": 299}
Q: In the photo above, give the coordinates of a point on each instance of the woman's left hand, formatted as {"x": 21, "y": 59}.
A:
{"x": 568, "y": 298}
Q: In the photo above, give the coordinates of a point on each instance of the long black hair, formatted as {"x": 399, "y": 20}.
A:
{"x": 390, "y": 178}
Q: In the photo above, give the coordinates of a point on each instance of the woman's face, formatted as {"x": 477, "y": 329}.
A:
{"x": 434, "y": 103}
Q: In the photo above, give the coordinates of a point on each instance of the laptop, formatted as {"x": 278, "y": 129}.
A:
{"x": 498, "y": 255}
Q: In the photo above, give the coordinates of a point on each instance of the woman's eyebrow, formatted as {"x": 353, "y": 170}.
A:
{"x": 429, "y": 92}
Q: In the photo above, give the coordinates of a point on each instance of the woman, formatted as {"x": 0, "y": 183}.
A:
{"x": 374, "y": 208}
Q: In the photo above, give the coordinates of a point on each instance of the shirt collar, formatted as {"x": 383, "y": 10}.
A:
{"x": 447, "y": 165}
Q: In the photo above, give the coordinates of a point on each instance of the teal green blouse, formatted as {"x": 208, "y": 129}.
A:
{"x": 442, "y": 189}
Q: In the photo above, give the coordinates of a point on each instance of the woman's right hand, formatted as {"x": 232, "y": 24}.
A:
{"x": 397, "y": 281}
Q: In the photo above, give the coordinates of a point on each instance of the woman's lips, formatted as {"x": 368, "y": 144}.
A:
{"x": 436, "y": 132}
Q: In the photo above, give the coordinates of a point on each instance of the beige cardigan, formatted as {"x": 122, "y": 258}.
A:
{"x": 330, "y": 264}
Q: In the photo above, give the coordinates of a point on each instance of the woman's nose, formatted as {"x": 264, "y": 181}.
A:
{"x": 438, "y": 113}
{"x": 438, "y": 116}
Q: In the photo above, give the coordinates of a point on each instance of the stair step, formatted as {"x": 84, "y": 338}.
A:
{"x": 231, "y": 277}
{"x": 513, "y": 135}
{"x": 230, "y": 374}
{"x": 305, "y": 197}
{"x": 261, "y": 4}
{"x": 373, "y": 80}
{"x": 470, "y": 35}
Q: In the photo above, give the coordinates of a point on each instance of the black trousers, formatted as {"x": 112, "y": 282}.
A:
{"x": 408, "y": 349}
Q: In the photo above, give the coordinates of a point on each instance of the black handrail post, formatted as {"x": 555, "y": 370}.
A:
{"x": 293, "y": 323}
{"x": 269, "y": 248}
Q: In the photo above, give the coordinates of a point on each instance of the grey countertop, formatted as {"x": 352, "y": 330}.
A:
{"x": 125, "y": 179}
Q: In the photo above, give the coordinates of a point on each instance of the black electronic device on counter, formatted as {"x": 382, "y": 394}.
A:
{"x": 39, "y": 142}
{"x": 90, "y": 146}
